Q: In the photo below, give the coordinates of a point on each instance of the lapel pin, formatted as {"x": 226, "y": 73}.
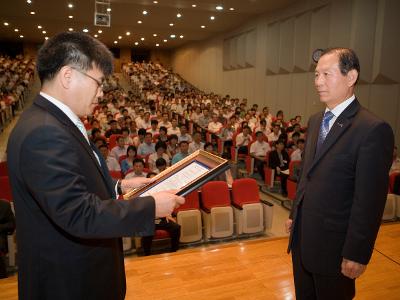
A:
{"x": 340, "y": 124}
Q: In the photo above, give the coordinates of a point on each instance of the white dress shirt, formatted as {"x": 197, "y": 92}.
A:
{"x": 339, "y": 109}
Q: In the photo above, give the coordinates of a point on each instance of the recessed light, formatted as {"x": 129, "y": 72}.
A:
{"x": 128, "y": 33}
{"x": 109, "y": 9}
{"x": 119, "y": 37}
{"x": 85, "y": 30}
{"x": 39, "y": 26}
{"x": 21, "y": 36}
{"x": 179, "y": 15}
{"x": 219, "y": 7}
{"x": 32, "y": 13}
{"x": 16, "y": 29}
{"x": 44, "y": 32}
{"x": 171, "y": 24}
{"x": 29, "y": 1}
{"x": 115, "y": 42}
{"x": 99, "y": 31}
{"x": 212, "y": 18}
{"x": 231, "y": 8}
{"x": 194, "y": 5}
{"x": 142, "y": 39}
{"x": 155, "y": 2}
{"x": 145, "y": 12}
{"x": 70, "y": 5}
{"x": 139, "y": 22}
{"x": 181, "y": 36}
{"x": 71, "y": 17}
{"x": 202, "y": 26}
{"x": 154, "y": 34}
{"x": 165, "y": 41}
{"x": 157, "y": 45}
{"x": 95, "y": 35}
{"x": 6, "y": 24}
{"x": 172, "y": 36}
{"x": 70, "y": 29}
{"x": 136, "y": 43}
{"x": 46, "y": 38}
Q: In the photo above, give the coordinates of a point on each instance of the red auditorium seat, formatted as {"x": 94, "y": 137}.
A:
{"x": 116, "y": 174}
{"x": 3, "y": 168}
{"x": 216, "y": 210}
{"x": 248, "y": 209}
{"x": 112, "y": 141}
{"x": 5, "y": 188}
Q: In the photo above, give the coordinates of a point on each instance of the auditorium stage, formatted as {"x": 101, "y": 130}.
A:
{"x": 246, "y": 270}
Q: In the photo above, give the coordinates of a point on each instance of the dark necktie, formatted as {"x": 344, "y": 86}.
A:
{"x": 324, "y": 129}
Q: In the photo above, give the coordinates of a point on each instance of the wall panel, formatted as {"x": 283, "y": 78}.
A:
{"x": 286, "y": 46}
{"x": 302, "y": 29}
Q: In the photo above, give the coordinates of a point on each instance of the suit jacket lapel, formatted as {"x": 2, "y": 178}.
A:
{"x": 342, "y": 123}
{"x": 55, "y": 111}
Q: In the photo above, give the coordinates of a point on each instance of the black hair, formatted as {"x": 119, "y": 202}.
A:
{"x": 301, "y": 141}
{"x": 160, "y": 144}
{"x": 183, "y": 142}
{"x": 163, "y": 128}
{"x": 131, "y": 147}
{"x": 94, "y": 130}
{"x": 142, "y": 131}
{"x": 259, "y": 132}
{"x": 161, "y": 162}
{"x": 124, "y": 129}
{"x": 151, "y": 174}
{"x": 73, "y": 49}
{"x": 295, "y": 134}
{"x": 138, "y": 160}
{"x": 173, "y": 136}
{"x": 102, "y": 145}
{"x": 154, "y": 122}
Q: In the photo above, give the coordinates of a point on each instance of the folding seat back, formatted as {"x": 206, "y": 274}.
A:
{"x": 189, "y": 217}
{"x": 5, "y": 188}
{"x": 215, "y": 194}
{"x": 3, "y": 168}
{"x": 245, "y": 191}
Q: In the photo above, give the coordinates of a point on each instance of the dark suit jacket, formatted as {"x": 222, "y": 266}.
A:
{"x": 68, "y": 220}
{"x": 274, "y": 161}
{"x": 342, "y": 190}
{"x": 7, "y": 224}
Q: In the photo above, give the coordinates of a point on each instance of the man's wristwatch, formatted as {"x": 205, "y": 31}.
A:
{"x": 119, "y": 188}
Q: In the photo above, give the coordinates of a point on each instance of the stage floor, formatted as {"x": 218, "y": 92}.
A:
{"x": 258, "y": 269}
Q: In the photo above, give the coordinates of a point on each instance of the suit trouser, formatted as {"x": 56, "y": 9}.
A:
{"x": 3, "y": 266}
{"x": 309, "y": 286}
{"x": 174, "y": 231}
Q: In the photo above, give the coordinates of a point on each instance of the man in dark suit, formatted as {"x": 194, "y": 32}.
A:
{"x": 68, "y": 219}
{"x": 343, "y": 185}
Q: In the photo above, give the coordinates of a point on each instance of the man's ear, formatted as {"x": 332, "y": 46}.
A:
{"x": 352, "y": 76}
{"x": 65, "y": 77}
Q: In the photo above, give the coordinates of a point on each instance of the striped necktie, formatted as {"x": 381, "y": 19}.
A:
{"x": 324, "y": 129}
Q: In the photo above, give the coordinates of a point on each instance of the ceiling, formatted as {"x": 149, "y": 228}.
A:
{"x": 53, "y": 16}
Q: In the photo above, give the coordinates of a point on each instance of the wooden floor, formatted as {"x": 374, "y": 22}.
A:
{"x": 242, "y": 270}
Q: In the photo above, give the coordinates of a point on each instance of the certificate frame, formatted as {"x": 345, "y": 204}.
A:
{"x": 206, "y": 164}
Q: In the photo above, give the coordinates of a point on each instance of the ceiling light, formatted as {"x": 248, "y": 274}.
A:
{"x": 32, "y": 13}
{"x": 202, "y": 26}
{"x": 70, "y": 5}
{"x": 212, "y": 18}
{"x": 46, "y": 38}
{"x": 157, "y": 45}
{"x": 85, "y": 30}
{"x": 142, "y": 39}
{"x": 39, "y": 26}
{"x": 70, "y": 29}
{"x": 44, "y": 32}
{"x": 99, "y": 31}
{"x": 144, "y": 12}
{"x": 6, "y": 24}
{"x": 181, "y": 36}
{"x": 155, "y": 2}
{"x": 71, "y": 17}
{"x": 109, "y": 9}
{"x": 128, "y": 33}
{"x": 194, "y": 5}
{"x": 178, "y": 15}
{"x": 115, "y": 42}
{"x": 219, "y": 7}
{"x": 29, "y": 1}
{"x": 171, "y": 24}
{"x": 165, "y": 41}
{"x": 173, "y": 36}
{"x": 16, "y": 29}
{"x": 95, "y": 35}
{"x": 231, "y": 8}
{"x": 119, "y": 37}
{"x": 154, "y": 34}
{"x": 136, "y": 43}
{"x": 139, "y": 22}
{"x": 21, "y": 36}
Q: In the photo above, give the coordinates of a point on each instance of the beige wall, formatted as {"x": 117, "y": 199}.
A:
{"x": 161, "y": 56}
{"x": 268, "y": 60}
{"x": 30, "y": 49}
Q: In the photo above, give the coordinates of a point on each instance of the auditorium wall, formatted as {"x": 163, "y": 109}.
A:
{"x": 268, "y": 60}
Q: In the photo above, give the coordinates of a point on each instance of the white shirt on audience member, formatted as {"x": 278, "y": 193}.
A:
{"x": 260, "y": 149}
{"x": 193, "y": 147}
{"x": 112, "y": 164}
{"x": 296, "y": 155}
{"x": 242, "y": 140}
{"x": 214, "y": 127}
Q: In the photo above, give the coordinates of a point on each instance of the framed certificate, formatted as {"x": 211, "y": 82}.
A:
{"x": 185, "y": 176}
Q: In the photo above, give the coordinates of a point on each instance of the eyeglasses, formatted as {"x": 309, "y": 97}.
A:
{"x": 100, "y": 84}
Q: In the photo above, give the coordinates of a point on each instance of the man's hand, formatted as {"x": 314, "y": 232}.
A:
{"x": 135, "y": 182}
{"x": 352, "y": 269}
{"x": 166, "y": 202}
{"x": 288, "y": 225}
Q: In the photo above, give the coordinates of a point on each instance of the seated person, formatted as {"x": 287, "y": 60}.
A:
{"x": 183, "y": 152}
{"x": 279, "y": 161}
{"x": 396, "y": 162}
{"x": 259, "y": 150}
{"x": 112, "y": 163}
{"x": 147, "y": 147}
{"x": 113, "y": 129}
{"x": 276, "y": 131}
{"x": 243, "y": 139}
{"x": 168, "y": 224}
{"x": 214, "y": 126}
{"x": 164, "y": 122}
{"x": 174, "y": 129}
{"x": 138, "y": 166}
{"x": 7, "y": 226}
{"x": 153, "y": 127}
{"x": 119, "y": 149}
{"x": 161, "y": 149}
{"x": 197, "y": 144}
{"x": 296, "y": 155}
{"x": 184, "y": 136}
{"x": 127, "y": 163}
{"x": 162, "y": 135}
{"x": 161, "y": 165}
{"x": 125, "y": 134}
